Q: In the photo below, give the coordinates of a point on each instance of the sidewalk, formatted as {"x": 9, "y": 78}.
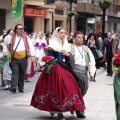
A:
{"x": 99, "y": 102}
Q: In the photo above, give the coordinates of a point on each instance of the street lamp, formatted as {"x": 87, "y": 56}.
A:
{"x": 71, "y": 13}
{"x": 104, "y": 4}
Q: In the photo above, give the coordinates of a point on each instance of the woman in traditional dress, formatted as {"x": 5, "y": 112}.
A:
{"x": 34, "y": 38}
{"x": 57, "y": 89}
{"x": 39, "y": 46}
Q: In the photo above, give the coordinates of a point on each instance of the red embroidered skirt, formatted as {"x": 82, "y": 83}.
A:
{"x": 57, "y": 91}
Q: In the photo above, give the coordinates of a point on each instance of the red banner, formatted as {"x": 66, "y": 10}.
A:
{"x": 34, "y": 12}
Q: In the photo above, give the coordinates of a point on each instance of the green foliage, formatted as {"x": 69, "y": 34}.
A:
{"x": 71, "y": 13}
{"x": 105, "y": 1}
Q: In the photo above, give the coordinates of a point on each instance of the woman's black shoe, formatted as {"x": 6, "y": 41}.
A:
{"x": 52, "y": 114}
{"x": 60, "y": 116}
{"x": 72, "y": 112}
{"x": 80, "y": 114}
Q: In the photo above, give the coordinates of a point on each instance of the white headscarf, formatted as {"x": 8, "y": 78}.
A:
{"x": 56, "y": 43}
{"x": 43, "y": 38}
{"x": 35, "y": 35}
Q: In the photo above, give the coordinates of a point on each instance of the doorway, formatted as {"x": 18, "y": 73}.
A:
{"x": 28, "y": 24}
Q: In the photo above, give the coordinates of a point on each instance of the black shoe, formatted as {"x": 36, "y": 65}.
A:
{"x": 26, "y": 80}
{"x": 108, "y": 74}
{"x": 52, "y": 114}
{"x": 94, "y": 81}
{"x": 111, "y": 75}
{"x": 72, "y": 112}
{"x": 12, "y": 90}
{"x": 60, "y": 116}
{"x": 2, "y": 85}
{"x": 21, "y": 91}
{"x": 80, "y": 114}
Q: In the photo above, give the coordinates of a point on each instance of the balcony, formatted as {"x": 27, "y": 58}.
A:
{"x": 39, "y": 3}
{"x": 95, "y": 9}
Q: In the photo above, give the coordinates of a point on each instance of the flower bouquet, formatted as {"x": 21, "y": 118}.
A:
{"x": 47, "y": 58}
{"x": 116, "y": 64}
{"x": 50, "y": 61}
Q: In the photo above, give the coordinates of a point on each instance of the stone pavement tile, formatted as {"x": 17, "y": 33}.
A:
{"x": 22, "y": 102}
{"x": 107, "y": 114}
{"x": 99, "y": 102}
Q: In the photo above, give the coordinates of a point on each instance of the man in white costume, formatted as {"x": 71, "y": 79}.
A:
{"x": 21, "y": 47}
{"x": 82, "y": 61}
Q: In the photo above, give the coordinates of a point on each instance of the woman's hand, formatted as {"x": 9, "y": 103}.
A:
{"x": 94, "y": 46}
{"x": 91, "y": 46}
{"x": 64, "y": 52}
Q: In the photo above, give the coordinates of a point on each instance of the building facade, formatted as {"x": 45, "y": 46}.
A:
{"x": 49, "y": 16}
{"x": 90, "y": 16}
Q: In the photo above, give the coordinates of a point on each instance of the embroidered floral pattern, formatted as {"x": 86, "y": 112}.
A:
{"x": 42, "y": 99}
{"x": 66, "y": 102}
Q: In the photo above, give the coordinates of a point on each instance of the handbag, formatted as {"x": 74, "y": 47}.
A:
{"x": 99, "y": 53}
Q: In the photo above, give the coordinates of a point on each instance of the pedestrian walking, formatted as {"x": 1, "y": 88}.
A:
{"x": 93, "y": 45}
{"x": 108, "y": 43}
{"x": 82, "y": 61}
{"x": 57, "y": 90}
{"x": 21, "y": 48}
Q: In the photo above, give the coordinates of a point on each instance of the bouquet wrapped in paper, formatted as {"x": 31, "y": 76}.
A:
{"x": 50, "y": 61}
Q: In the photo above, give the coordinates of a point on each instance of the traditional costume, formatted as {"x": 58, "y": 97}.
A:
{"x": 57, "y": 91}
{"x": 39, "y": 47}
{"x": 82, "y": 61}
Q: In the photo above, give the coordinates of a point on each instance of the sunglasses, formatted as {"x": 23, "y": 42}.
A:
{"x": 20, "y": 28}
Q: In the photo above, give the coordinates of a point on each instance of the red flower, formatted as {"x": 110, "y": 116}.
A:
{"x": 45, "y": 49}
{"x": 47, "y": 58}
{"x": 116, "y": 60}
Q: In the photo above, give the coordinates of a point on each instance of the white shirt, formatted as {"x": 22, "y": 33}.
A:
{"x": 80, "y": 59}
{"x": 21, "y": 46}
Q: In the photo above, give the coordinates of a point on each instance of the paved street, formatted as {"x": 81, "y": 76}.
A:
{"x": 99, "y": 102}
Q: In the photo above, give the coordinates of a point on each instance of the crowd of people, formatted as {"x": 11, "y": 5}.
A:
{"x": 73, "y": 61}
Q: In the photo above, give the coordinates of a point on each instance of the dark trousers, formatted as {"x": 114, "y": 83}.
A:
{"x": 97, "y": 63}
{"x": 18, "y": 67}
{"x": 109, "y": 65}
